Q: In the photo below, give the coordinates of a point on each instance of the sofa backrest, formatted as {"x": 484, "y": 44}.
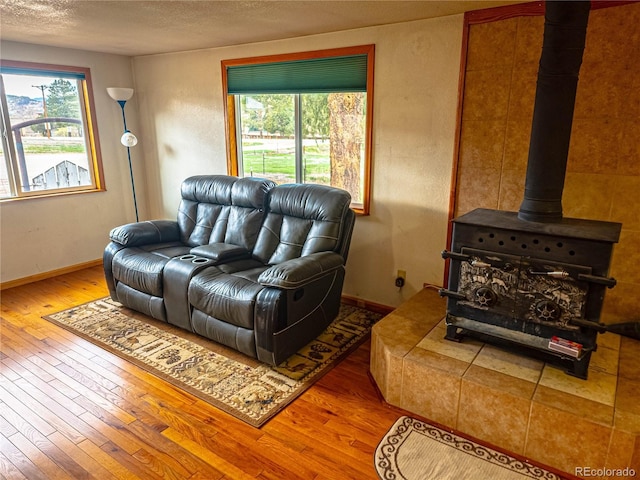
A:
{"x": 221, "y": 208}
{"x": 304, "y": 219}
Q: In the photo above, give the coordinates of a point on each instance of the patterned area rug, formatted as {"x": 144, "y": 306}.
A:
{"x": 416, "y": 450}
{"x": 241, "y": 386}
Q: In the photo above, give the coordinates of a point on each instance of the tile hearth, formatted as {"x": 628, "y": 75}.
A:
{"x": 511, "y": 401}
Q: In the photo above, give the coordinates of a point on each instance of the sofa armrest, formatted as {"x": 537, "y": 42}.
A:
{"x": 297, "y": 272}
{"x": 146, "y": 233}
{"x": 221, "y": 252}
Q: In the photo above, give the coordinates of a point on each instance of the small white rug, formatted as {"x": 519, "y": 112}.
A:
{"x": 414, "y": 450}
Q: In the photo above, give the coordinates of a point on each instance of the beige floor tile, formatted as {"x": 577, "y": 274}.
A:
{"x": 576, "y": 406}
{"x": 495, "y": 407}
{"x": 600, "y": 387}
{"x": 628, "y": 396}
{"x": 435, "y": 342}
{"x": 432, "y": 391}
{"x": 609, "y": 340}
{"x": 629, "y": 354}
{"x": 565, "y": 440}
{"x": 387, "y": 354}
{"x": 509, "y": 363}
{"x": 605, "y": 360}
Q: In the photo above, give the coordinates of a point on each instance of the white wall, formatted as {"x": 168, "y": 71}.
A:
{"x": 416, "y": 88}
{"x": 47, "y": 234}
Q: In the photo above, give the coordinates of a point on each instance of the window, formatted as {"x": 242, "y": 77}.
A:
{"x": 303, "y": 118}
{"x": 49, "y": 143}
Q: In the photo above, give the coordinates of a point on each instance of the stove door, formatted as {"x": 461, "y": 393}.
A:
{"x": 489, "y": 283}
{"x": 510, "y": 290}
{"x": 551, "y": 293}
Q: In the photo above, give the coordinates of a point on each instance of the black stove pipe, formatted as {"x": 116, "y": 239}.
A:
{"x": 565, "y": 30}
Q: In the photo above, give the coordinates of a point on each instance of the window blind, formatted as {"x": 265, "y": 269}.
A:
{"x": 41, "y": 72}
{"x": 317, "y": 75}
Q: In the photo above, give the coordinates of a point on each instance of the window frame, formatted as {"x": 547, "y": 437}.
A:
{"x": 92, "y": 142}
{"x": 231, "y": 114}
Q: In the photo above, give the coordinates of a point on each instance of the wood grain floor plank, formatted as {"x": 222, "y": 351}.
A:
{"x": 230, "y": 445}
{"x": 65, "y": 390}
{"x": 177, "y": 416}
{"x": 49, "y": 467}
{"x": 14, "y": 341}
{"x": 212, "y": 458}
{"x": 8, "y": 369}
{"x": 58, "y": 417}
{"x": 114, "y": 430}
{"x": 8, "y": 469}
{"x": 40, "y": 388}
{"x": 129, "y": 461}
{"x": 83, "y": 459}
{"x": 68, "y": 413}
{"x": 278, "y": 449}
{"x": 118, "y": 470}
{"x": 326, "y": 460}
{"x": 6, "y": 428}
{"x": 21, "y": 417}
{"x": 159, "y": 467}
{"x": 8, "y": 344}
{"x": 86, "y": 392}
{"x": 20, "y": 461}
{"x": 170, "y": 453}
{"x": 60, "y": 457}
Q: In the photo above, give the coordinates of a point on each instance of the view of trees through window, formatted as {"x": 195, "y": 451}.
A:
{"x": 45, "y": 146}
{"x": 304, "y": 138}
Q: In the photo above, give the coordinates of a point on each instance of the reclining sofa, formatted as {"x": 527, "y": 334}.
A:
{"x": 251, "y": 265}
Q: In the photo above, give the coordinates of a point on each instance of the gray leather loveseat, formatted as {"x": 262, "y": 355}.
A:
{"x": 251, "y": 265}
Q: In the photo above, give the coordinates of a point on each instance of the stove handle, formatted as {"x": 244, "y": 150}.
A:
{"x": 451, "y": 294}
{"x": 556, "y": 274}
{"x": 608, "y": 282}
{"x": 456, "y": 256}
{"x": 600, "y": 327}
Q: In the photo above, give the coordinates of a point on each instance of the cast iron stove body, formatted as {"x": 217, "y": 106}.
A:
{"x": 533, "y": 284}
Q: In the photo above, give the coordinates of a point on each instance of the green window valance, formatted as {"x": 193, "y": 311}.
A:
{"x": 41, "y": 72}
{"x": 317, "y": 75}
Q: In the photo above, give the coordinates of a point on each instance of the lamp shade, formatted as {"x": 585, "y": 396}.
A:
{"x": 128, "y": 139}
{"x": 120, "y": 94}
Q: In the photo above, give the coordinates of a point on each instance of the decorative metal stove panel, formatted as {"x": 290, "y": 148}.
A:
{"x": 529, "y": 289}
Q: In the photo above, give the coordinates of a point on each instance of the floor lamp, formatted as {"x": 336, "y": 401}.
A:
{"x": 128, "y": 139}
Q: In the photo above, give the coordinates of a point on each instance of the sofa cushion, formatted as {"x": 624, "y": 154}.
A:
{"x": 224, "y": 296}
{"x": 238, "y": 338}
{"x": 248, "y": 267}
{"x": 218, "y": 208}
{"x": 166, "y": 250}
{"x": 142, "y": 302}
{"x": 301, "y": 219}
{"x": 139, "y": 270}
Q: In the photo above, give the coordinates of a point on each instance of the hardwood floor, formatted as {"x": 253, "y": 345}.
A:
{"x": 69, "y": 410}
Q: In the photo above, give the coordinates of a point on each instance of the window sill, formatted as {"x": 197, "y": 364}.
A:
{"x": 43, "y": 196}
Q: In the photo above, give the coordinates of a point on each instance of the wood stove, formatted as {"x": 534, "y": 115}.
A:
{"x": 535, "y": 279}
{"x": 537, "y": 285}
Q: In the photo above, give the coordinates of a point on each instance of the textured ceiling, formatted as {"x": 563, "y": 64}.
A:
{"x": 132, "y": 27}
